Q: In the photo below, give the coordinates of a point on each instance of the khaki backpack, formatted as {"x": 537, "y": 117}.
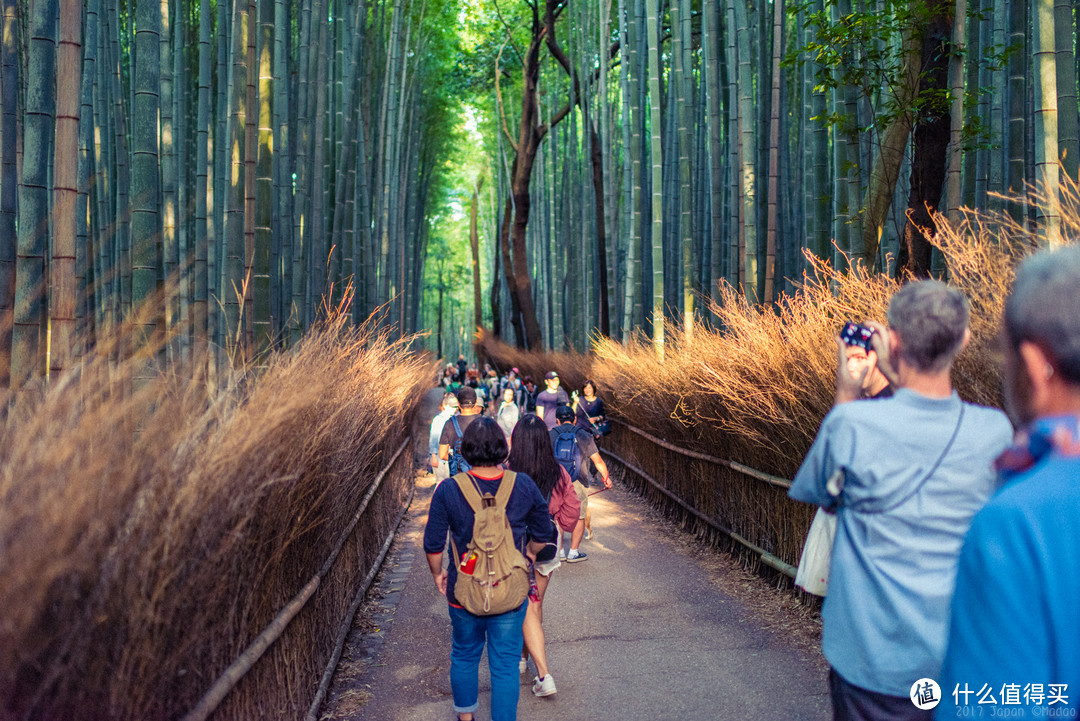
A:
{"x": 499, "y": 580}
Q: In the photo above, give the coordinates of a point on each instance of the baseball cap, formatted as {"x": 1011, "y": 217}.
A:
{"x": 451, "y": 402}
{"x": 564, "y": 413}
{"x": 550, "y": 374}
{"x": 466, "y": 396}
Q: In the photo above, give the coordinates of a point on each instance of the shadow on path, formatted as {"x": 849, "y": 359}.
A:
{"x": 638, "y": 631}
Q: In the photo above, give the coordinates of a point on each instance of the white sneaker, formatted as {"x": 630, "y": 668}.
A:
{"x": 523, "y": 665}
{"x": 544, "y": 686}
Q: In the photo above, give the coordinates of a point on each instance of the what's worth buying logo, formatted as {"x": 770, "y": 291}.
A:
{"x": 925, "y": 694}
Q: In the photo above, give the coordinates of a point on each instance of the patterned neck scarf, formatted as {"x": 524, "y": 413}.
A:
{"x": 1060, "y": 434}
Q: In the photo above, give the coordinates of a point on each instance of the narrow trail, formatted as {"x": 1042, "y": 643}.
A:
{"x": 646, "y": 628}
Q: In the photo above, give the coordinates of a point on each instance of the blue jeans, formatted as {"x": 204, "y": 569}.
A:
{"x": 504, "y": 641}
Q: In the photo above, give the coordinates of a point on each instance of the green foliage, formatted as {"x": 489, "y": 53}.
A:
{"x": 864, "y": 49}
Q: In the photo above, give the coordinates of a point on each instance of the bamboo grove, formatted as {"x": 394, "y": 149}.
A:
{"x": 560, "y": 167}
{"x": 220, "y": 173}
{"x": 644, "y": 151}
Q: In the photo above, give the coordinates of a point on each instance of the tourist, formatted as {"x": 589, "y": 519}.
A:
{"x": 449, "y": 407}
{"x": 590, "y": 409}
{"x": 551, "y": 398}
{"x": 574, "y": 449}
{"x": 484, "y": 447}
{"x": 453, "y": 432}
{"x": 1016, "y": 613}
{"x": 508, "y": 413}
{"x": 904, "y": 475}
{"x": 531, "y": 454}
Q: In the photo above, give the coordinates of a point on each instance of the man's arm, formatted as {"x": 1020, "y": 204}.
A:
{"x": 819, "y": 466}
{"x": 444, "y": 451}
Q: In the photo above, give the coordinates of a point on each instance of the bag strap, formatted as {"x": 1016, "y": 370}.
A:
{"x": 928, "y": 475}
{"x": 457, "y": 431}
{"x": 469, "y": 490}
{"x": 473, "y": 497}
{"x": 577, "y": 399}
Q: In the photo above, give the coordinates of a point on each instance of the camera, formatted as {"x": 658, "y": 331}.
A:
{"x": 856, "y": 334}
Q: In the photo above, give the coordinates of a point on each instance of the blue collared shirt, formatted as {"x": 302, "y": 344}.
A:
{"x": 897, "y": 537}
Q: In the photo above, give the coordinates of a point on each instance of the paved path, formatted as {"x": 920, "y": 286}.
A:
{"x": 638, "y": 631}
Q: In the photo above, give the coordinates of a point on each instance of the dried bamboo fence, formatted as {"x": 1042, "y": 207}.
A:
{"x": 398, "y": 471}
{"x": 720, "y": 499}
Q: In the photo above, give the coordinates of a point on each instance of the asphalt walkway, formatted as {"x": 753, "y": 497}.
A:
{"x": 641, "y": 630}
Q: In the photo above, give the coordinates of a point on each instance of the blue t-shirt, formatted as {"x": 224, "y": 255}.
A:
{"x": 526, "y": 510}
{"x": 1015, "y": 629}
{"x": 896, "y": 548}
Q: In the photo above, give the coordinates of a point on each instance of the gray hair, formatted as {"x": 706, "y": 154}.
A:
{"x": 1043, "y": 305}
{"x": 930, "y": 318}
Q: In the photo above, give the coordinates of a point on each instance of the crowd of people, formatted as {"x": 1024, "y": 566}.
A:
{"x": 954, "y": 563}
{"x": 492, "y": 432}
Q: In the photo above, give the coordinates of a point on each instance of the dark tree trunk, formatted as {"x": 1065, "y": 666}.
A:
{"x": 930, "y": 140}
{"x": 508, "y": 268}
{"x": 474, "y": 241}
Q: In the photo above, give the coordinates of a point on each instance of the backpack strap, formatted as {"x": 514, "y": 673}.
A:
{"x": 457, "y": 432}
{"x": 502, "y": 496}
{"x": 470, "y": 491}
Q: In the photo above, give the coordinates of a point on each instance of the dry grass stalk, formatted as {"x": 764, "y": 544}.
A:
{"x": 151, "y": 528}
{"x": 756, "y": 390}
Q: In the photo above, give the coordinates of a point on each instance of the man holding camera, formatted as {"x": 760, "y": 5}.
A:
{"x": 905, "y": 475}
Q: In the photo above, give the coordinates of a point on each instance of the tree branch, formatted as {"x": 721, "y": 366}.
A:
{"x": 498, "y": 96}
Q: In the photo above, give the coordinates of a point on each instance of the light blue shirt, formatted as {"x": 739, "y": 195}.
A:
{"x": 897, "y": 538}
{"x": 437, "y": 424}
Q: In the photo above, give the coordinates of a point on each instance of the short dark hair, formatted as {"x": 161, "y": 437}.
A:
{"x": 466, "y": 397}
{"x": 564, "y": 413}
{"x": 483, "y": 443}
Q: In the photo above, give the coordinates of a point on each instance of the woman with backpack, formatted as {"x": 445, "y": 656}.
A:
{"x": 531, "y": 454}
{"x": 483, "y": 614}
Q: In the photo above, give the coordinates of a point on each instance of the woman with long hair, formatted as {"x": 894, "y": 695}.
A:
{"x": 531, "y": 453}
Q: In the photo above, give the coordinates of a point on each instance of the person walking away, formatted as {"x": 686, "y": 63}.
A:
{"x": 526, "y": 512}
{"x": 1016, "y": 612}
{"x": 531, "y": 453}
{"x": 904, "y": 475}
{"x": 462, "y": 367}
{"x": 550, "y": 399}
{"x": 508, "y": 414}
{"x": 449, "y": 407}
{"x": 573, "y": 449}
{"x": 453, "y": 432}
